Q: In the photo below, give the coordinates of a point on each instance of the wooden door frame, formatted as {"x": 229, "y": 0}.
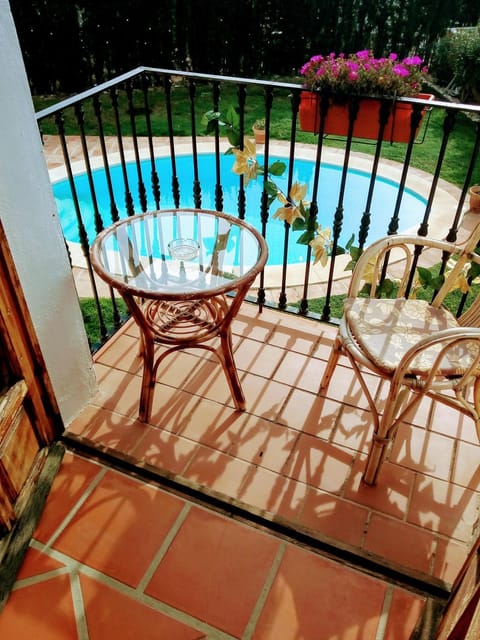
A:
{"x": 24, "y": 352}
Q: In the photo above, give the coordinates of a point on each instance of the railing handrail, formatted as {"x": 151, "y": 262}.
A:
{"x": 68, "y": 102}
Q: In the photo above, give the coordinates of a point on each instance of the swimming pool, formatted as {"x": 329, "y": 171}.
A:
{"x": 357, "y": 184}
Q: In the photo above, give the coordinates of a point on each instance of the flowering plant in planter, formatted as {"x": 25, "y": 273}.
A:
{"x": 363, "y": 74}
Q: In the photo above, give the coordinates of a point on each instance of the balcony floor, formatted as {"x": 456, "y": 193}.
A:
{"x": 253, "y": 524}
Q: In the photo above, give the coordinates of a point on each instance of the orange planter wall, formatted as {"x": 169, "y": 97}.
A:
{"x": 366, "y": 124}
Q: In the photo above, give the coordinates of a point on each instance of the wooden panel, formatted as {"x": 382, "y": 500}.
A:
{"x": 461, "y": 620}
{"x": 17, "y": 453}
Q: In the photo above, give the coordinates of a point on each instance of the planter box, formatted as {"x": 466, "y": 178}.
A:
{"x": 366, "y": 124}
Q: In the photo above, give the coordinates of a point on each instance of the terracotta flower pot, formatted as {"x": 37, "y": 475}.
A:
{"x": 474, "y": 193}
{"x": 259, "y": 135}
{"x": 366, "y": 124}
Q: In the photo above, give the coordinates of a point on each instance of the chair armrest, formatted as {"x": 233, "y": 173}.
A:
{"x": 448, "y": 341}
{"x": 393, "y": 256}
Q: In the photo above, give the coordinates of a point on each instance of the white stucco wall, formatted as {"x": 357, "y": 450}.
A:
{"x": 28, "y": 214}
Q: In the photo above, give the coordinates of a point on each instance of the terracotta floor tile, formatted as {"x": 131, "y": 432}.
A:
{"x": 259, "y": 358}
{"x": 300, "y": 371}
{"x": 306, "y": 411}
{"x": 113, "y": 521}
{"x": 118, "y": 391}
{"x": 344, "y": 387}
{"x": 452, "y": 423}
{"x": 449, "y": 558}
{"x": 43, "y": 611}
{"x": 353, "y": 428}
{"x": 110, "y": 429}
{"x": 36, "y": 563}
{"x": 209, "y": 555}
{"x": 447, "y": 508}
{"x": 249, "y": 323}
{"x": 172, "y": 408}
{"x": 123, "y": 355}
{"x": 263, "y": 443}
{"x": 73, "y": 479}
{"x": 400, "y": 542}
{"x": 343, "y": 604}
{"x": 111, "y": 614}
{"x": 466, "y": 470}
{"x": 404, "y": 612}
{"x": 164, "y": 450}
{"x": 213, "y": 424}
{"x": 319, "y": 464}
{"x": 425, "y": 451}
{"x": 391, "y": 494}
{"x": 269, "y": 491}
{"x": 334, "y": 517}
{"x": 183, "y": 367}
{"x": 323, "y": 418}
{"x": 217, "y": 471}
{"x": 264, "y": 397}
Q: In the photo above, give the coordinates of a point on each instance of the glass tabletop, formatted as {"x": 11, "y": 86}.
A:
{"x": 179, "y": 252}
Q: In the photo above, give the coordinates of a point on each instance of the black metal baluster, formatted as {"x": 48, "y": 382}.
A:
{"x": 173, "y": 160}
{"x": 82, "y": 232}
{"x": 80, "y": 115}
{"x": 384, "y": 113}
{"x": 338, "y": 217}
{"x": 415, "y": 119}
{"x": 264, "y": 197}
{"x": 218, "y": 179}
{"x": 197, "y": 189}
{"x": 452, "y": 234}
{"x": 242, "y": 94}
{"x": 97, "y": 107}
{"x": 128, "y": 196}
{"x": 313, "y": 214}
{"x": 154, "y": 174}
{"x": 142, "y": 192}
{"x": 295, "y": 101}
{"x": 448, "y": 124}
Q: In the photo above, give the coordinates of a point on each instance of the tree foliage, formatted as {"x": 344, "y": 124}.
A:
{"x": 69, "y": 46}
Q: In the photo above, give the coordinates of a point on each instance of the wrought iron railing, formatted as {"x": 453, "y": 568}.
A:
{"x": 123, "y": 127}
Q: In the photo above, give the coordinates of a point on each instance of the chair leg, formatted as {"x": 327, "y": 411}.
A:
{"x": 397, "y": 407}
{"x": 332, "y": 363}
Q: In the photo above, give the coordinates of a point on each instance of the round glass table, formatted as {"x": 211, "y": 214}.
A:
{"x": 174, "y": 268}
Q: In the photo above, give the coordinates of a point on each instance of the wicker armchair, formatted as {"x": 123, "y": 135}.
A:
{"x": 418, "y": 346}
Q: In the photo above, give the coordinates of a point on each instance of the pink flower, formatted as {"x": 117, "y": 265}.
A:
{"x": 400, "y": 70}
{"x": 363, "y": 55}
{"x": 413, "y": 60}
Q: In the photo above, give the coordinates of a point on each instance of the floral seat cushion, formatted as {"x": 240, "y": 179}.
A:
{"x": 386, "y": 329}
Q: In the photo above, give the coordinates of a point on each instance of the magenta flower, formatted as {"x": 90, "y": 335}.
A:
{"x": 363, "y": 74}
{"x": 400, "y": 70}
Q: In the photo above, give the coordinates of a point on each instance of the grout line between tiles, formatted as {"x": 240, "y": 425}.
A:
{"x": 42, "y": 577}
{"x": 79, "y": 607}
{"x": 382, "y": 621}
{"x": 147, "y": 576}
{"x": 72, "y": 513}
{"x": 258, "y": 608}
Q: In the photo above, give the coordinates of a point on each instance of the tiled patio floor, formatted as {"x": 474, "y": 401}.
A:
{"x": 115, "y": 556}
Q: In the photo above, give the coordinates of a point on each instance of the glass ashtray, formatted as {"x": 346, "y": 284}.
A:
{"x": 183, "y": 248}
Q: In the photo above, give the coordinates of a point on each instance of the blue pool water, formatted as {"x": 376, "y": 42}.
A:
{"x": 384, "y": 199}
